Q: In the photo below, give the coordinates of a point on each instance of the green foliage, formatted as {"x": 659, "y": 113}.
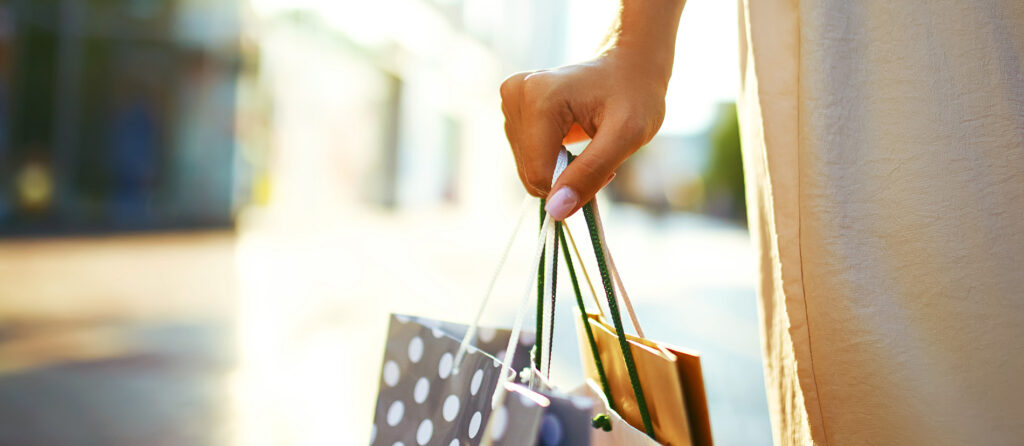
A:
{"x": 724, "y": 176}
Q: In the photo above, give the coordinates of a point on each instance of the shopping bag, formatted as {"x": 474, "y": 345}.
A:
{"x": 562, "y": 420}
{"x": 619, "y": 432}
{"x": 673, "y": 384}
{"x": 653, "y": 386}
{"x": 424, "y": 399}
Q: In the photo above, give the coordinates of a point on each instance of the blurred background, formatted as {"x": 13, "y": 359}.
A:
{"x": 208, "y": 208}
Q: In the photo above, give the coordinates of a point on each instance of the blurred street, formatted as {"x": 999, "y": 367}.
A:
{"x": 117, "y": 340}
{"x": 208, "y": 209}
{"x": 289, "y": 352}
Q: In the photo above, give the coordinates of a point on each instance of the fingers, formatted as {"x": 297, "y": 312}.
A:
{"x": 536, "y": 119}
{"x": 510, "y": 90}
{"x": 539, "y": 117}
{"x": 615, "y": 141}
{"x": 545, "y": 120}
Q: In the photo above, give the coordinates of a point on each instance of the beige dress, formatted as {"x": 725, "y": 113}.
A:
{"x": 884, "y": 156}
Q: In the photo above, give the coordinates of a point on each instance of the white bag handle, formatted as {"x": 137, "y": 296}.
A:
{"x": 471, "y": 331}
{"x": 547, "y": 236}
{"x": 616, "y": 279}
{"x": 626, "y": 302}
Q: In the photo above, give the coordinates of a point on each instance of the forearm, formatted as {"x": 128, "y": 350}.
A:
{"x": 644, "y": 35}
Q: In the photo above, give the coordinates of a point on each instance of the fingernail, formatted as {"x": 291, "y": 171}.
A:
{"x": 562, "y": 203}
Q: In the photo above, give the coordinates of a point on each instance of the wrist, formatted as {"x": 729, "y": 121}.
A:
{"x": 644, "y": 37}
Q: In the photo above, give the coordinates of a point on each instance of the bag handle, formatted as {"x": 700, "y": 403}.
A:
{"x": 613, "y": 310}
{"x": 583, "y": 268}
{"x": 471, "y": 331}
{"x": 547, "y": 233}
{"x": 517, "y": 326}
{"x": 626, "y": 302}
{"x": 586, "y": 320}
{"x": 545, "y": 288}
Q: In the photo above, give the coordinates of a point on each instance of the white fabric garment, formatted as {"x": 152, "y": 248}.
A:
{"x": 884, "y": 155}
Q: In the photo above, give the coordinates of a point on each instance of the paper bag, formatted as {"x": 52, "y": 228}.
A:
{"x": 674, "y": 386}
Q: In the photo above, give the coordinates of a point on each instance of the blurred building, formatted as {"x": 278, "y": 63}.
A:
{"x": 117, "y": 114}
{"x": 394, "y": 103}
{"x": 139, "y": 114}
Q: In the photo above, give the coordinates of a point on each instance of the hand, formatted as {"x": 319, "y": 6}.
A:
{"x": 612, "y": 99}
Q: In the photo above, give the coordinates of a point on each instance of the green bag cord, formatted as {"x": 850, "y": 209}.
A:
{"x": 554, "y": 291}
{"x": 601, "y": 421}
{"x": 627, "y": 354}
{"x": 613, "y": 307}
{"x": 539, "y": 327}
{"x": 583, "y": 315}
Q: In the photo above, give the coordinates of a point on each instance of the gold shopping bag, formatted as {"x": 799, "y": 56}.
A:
{"x": 673, "y": 383}
{"x": 668, "y": 380}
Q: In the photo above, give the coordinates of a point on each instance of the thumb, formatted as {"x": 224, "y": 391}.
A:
{"x": 589, "y": 172}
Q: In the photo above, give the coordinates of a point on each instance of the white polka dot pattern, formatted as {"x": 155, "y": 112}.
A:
{"x": 416, "y": 349}
{"x": 424, "y": 432}
{"x": 450, "y": 408}
{"x": 444, "y": 367}
{"x": 395, "y": 413}
{"x": 478, "y": 377}
{"x": 424, "y": 400}
{"x": 422, "y": 389}
{"x": 474, "y": 424}
{"x": 391, "y": 373}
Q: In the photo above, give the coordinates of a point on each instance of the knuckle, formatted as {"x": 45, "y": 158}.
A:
{"x": 537, "y": 89}
{"x": 509, "y": 88}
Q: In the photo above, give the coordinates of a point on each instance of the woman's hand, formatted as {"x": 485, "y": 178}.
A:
{"x": 617, "y": 100}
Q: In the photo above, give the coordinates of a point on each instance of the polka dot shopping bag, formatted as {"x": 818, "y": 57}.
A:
{"x": 425, "y": 398}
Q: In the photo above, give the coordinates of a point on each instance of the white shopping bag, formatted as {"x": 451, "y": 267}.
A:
{"x": 621, "y": 432}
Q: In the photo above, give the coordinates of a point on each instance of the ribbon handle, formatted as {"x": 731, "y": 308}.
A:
{"x": 593, "y": 225}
